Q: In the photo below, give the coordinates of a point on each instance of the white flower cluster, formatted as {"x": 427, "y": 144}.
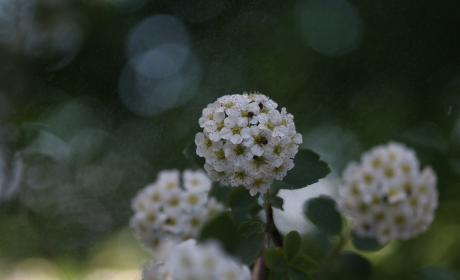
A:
{"x": 191, "y": 261}
{"x": 246, "y": 141}
{"x": 388, "y": 195}
{"x": 166, "y": 211}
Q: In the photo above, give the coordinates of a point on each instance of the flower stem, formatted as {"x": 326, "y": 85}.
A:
{"x": 272, "y": 232}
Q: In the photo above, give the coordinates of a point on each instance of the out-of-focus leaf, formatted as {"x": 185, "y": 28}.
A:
{"x": 249, "y": 246}
{"x": 308, "y": 169}
{"x": 295, "y": 274}
{"x": 277, "y": 275}
{"x": 304, "y": 263}
{"x": 240, "y": 201}
{"x": 292, "y": 243}
{"x": 276, "y": 259}
{"x": 322, "y": 212}
{"x": 365, "y": 243}
{"x": 248, "y": 228}
{"x": 222, "y": 229}
{"x": 276, "y": 202}
{"x": 190, "y": 153}
{"x": 276, "y": 186}
{"x": 219, "y": 192}
{"x": 254, "y": 209}
{"x": 437, "y": 273}
{"x": 352, "y": 266}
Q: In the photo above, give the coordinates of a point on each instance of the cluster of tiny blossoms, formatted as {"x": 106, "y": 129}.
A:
{"x": 246, "y": 141}
{"x": 191, "y": 261}
{"x": 387, "y": 194}
{"x": 166, "y": 211}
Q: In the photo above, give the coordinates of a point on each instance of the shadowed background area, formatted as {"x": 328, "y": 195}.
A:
{"x": 97, "y": 96}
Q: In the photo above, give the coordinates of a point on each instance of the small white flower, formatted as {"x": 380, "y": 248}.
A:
{"x": 189, "y": 260}
{"x": 260, "y": 183}
{"x": 251, "y": 127}
{"x": 204, "y": 144}
{"x": 196, "y": 181}
{"x": 166, "y": 211}
{"x": 240, "y": 177}
{"x": 387, "y": 194}
{"x": 235, "y": 129}
{"x": 238, "y": 154}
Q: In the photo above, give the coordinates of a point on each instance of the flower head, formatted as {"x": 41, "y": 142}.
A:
{"x": 387, "y": 194}
{"x": 165, "y": 210}
{"x": 188, "y": 260}
{"x": 247, "y": 141}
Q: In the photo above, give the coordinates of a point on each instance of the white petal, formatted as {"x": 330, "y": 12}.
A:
{"x": 257, "y": 150}
{"x": 236, "y": 139}
{"x": 226, "y": 133}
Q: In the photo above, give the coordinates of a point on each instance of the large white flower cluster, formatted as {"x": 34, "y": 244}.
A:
{"x": 246, "y": 141}
{"x": 166, "y": 211}
{"x": 387, "y": 194}
{"x": 191, "y": 261}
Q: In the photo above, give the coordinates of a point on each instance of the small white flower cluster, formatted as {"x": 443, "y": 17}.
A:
{"x": 388, "y": 195}
{"x": 246, "y": 141}
{"x": 165, "y": 211}
{"x": 202, "y": 262}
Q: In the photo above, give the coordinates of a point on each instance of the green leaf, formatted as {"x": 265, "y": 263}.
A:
{"x": 248, "y": 228}
{"x": 222, "y": 229}
{"x": 295, "y": 274}
{"x": 254, "y": 209}
{"x": 308, "y": 169}
{"x": 219, "y": 192}
{"x": 249, "y": 246}
{"x": 277, "y": 275}
{"x": 292, "y": 243}
{"x": 304, "y": 263}
{"x": 240, "y": 201}
{"x": 322, "y": 212}
{"x": 190, "y": 153}
{"x": 352, "y": 266}
{"x": 276, "y": 259}
{"x": 365, "y": 243}
{"x": 276, "y": 186}
{"x": 276, "y": 202}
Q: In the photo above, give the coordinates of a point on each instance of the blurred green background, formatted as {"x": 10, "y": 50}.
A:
{"x": 97, "y": 96}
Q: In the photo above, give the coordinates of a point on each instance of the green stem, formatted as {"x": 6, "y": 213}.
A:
{"x": 272, "y": 230}
{"x": 329, "y": 259}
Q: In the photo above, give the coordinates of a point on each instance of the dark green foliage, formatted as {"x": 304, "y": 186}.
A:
{"x": 292, "y": 244}
{"x": 219, "y": 192}
{"x": 222, "y": 229}
{"x": 286, "y": 263}
{"x": 190, "y": 153}
{"x": 244, "y": 242}
{"x": 351, "y": 266}
{"x": 243, "y": 205}
{"x": 254, "y": 209}
{"x": 276, "y": 201}
{"x": 364, "y": 243}
{"x": 308, "y": 170}
{"x": 249, "y": 228}
{"x": 295, "y": 274}
{"x": 304, "y": 264}
{"x": 276, "y": 259}
{"x": 322, "y": 212}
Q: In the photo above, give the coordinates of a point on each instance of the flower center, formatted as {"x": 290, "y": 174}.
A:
{"x": 208, "y": 142}
{"x": 239, "y": 150}
{"x": 270, "y": 125}
{"x": 236, "y": 129}
{"x": 220, "y": 154}
{"x": 277, "y": 149}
